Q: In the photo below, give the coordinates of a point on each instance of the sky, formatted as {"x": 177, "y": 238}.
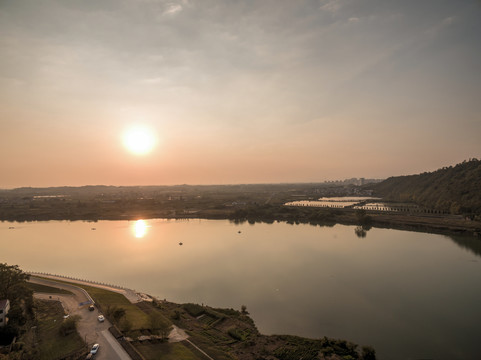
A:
{"x": 236, "y": 91}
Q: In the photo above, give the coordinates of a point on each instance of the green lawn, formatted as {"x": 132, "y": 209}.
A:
{"x": 105, "y": 298}
{"x": 51, "y": 344}
{"x": 167, "y": 351}
{"x": 47, "y": 289}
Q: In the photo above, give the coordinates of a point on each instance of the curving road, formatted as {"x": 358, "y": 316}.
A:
{"x": 89, "y": 328}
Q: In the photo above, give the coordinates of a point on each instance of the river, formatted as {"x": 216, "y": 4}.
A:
{"x": 410, "y": 295}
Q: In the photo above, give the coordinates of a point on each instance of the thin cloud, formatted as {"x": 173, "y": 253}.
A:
{"x": 331, "y": 6}
{"x": 172, "y": 9}
{"x": 445, "y": 23}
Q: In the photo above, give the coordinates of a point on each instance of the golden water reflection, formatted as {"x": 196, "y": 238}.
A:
{"x": 297, "y": 279}
{"x": 140, "y": 229}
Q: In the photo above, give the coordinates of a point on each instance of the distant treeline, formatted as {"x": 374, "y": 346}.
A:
{"x": 456, "y": 189}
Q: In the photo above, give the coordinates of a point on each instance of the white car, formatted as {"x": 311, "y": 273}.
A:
{"x": 101, "y": 318}
{"x": 95, "y": 348}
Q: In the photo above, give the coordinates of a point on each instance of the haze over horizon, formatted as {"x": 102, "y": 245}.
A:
{"x": 235, "y": 92}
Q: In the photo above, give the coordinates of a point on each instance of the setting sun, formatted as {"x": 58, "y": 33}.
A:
{"x": 139, "y": 140}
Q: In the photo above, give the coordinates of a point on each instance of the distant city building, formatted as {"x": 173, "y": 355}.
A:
{"x": 4, "y": 308}
{"x": 353, "y": 181}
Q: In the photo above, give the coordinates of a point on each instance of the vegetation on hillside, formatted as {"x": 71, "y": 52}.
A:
{"x": 231, "y": 334}
{"x": 455, "y": 189}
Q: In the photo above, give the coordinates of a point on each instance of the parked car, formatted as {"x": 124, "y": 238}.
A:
{"x": 101, "y": 318}
{"x": 91, "y": 308}
{"x": 95, "y": 348}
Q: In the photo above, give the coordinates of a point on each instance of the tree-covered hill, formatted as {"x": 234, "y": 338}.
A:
{"x": 456, "y": 189}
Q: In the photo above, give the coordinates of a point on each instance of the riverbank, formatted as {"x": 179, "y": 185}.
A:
{"x": 225, "y": 334}
{"x": 253, "y": 203}
{"x": 434, "y": 223}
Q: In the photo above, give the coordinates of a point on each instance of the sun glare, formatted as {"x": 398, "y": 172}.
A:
{"x": 139, "y": 140}
{"x": 140, "y": 229}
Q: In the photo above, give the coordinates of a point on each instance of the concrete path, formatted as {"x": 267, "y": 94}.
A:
{"x": 119, "y": 350}
{"x": 131, "y": 295}
{"x": 177, "y": 334}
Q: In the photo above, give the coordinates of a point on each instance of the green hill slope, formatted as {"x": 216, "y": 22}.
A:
{"x": 456, "y": 189}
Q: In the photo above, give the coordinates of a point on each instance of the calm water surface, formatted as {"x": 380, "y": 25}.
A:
{"x": 410, "y": 295}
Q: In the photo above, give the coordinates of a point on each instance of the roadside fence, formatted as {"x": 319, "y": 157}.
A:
{"x": 76, "y": 279}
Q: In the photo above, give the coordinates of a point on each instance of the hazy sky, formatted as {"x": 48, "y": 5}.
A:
{"x": 236, "y": 91}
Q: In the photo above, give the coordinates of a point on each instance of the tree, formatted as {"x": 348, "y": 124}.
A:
{"x": 116, "y": 313}
{"x": 360, "y": 232}
{"x": 13, "y": 286}
{"x": 7, "y": 333}
{"x": 159, "y": 325}
{"x": 13, "y": 282}
{"x": 69, "y": 325}
{"x": 368, "y": 353}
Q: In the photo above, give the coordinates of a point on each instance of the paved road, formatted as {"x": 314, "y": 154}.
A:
{"x": 88, "y": 327}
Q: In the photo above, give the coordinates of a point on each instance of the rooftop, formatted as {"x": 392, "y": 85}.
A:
{"x": 3, "y": 303}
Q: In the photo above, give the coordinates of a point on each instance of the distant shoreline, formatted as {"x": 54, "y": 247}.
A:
{"x": 443, "y": 224}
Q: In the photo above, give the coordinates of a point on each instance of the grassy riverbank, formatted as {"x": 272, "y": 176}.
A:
{"x": 222, "y": 334}
{"x": 437, "y": 223}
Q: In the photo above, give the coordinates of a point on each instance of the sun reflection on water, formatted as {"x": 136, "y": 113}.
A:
{"x": 140, "y": 228}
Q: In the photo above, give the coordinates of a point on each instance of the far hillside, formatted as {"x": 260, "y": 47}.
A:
{"x": 456, "y": 189}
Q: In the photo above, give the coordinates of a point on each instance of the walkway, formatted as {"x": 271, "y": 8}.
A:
{"x": 131, "y": 295}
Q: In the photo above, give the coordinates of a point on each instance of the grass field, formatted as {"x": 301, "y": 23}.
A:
{"x": 47, "y": 289}
{"x": 51, "y": 344}
{"x": 168, "y": 351}
{"x": 105, "y": 298}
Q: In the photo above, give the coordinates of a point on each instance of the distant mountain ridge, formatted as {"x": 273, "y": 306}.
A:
{"x": 456, "y": 189}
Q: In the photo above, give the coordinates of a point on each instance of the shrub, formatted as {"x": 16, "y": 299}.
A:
{"x": 368, "y": 353}
{"x": 194, "y": 309}
{"x": 236, "y": 334}
{"x": 69, "y": 325}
